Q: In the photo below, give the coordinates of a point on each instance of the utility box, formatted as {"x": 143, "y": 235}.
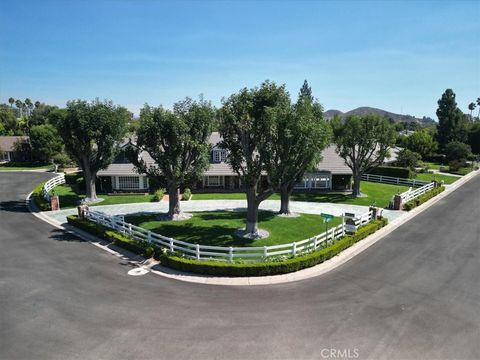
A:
{"x": 397, "y": 202}
{"x": 81, "y": 210}
{"x": 54, "y": 202}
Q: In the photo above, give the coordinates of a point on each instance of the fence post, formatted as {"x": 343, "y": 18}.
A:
{"x": 315, "y": 239}
{"x": 343, "y": 224}
{"x": 197, "y": 249}
{"x": 149, "y": 236}
{"x": 294, "y": 248}
{"x": 265, "y": 251}
{"x": 171, "y": 245}
{"x": 381, "y": 178}
{"x": 230, "y": 254}
{"x": 130, "y": 229}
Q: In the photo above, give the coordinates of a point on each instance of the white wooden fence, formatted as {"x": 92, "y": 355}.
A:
{"x": 393, "y": 180}
{"x": 202, "y": 252}
{"x": 50, "y": 184}
{"x": 412, "y": 194}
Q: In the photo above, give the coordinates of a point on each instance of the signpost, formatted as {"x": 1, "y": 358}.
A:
{"x": 326, "y": 219}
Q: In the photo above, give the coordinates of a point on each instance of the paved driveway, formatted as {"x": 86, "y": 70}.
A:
{"x": 210, "y": 205}
{"x": 415, "y": 294}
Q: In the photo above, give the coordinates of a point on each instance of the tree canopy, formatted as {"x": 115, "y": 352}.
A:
{"x": 452, "y": 125}
{"x": 91, "y": 132}
{"x": 363, "y": 142}
{"x": 178, "y": 142}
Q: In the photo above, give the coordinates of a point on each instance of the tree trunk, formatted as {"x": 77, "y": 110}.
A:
{"x": 356, "y": 185}
{"x": 173, "y": 200}
{"x": 90, "y": 177}
{"x": 252, "y": 210}
{"x": 285, "y": 200}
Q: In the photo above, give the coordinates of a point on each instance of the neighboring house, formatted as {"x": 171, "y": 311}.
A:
{"x": 330, "y": 174}
{"x": 14, "y": 148}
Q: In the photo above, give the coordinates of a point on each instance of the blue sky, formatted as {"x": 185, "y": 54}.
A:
{"x": 399, "y": 56}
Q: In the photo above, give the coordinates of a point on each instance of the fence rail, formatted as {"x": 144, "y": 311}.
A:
{"x": 50, "y": 184}
{"x": 393, "y": 180}
{"x": 412, "y": 194}
{"x": 202, "y": 252}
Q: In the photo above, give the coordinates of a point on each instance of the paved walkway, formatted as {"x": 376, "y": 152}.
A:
{"x": 210, "y": 205}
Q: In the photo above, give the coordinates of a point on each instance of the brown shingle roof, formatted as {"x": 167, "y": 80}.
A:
{"x": 7, "y": 143}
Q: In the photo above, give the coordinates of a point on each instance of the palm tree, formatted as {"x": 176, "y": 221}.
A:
{"x": 37, "y": 104}
{"x": 478, "y": 104}
{"x": 11, "y": 101}
{"x": 471, "y": 107}
{"x": 19, "y": 105}
{"x": 28, "y": 106}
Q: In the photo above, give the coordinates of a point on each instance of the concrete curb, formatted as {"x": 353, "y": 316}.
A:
{"x": 304, "y": 274}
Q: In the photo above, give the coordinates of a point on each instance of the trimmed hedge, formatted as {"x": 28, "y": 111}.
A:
{"x": 423, "y": 198}
{"x": 116, "y": 238}
{"x": 134, "y": 246}
{"x": 37, "y": 196}
{"x": 88, "y": 226}
{"x": 270, "y": 267}
{"x": 393, "y": 171}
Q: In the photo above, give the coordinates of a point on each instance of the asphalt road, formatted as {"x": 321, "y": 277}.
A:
{"x": 415, "y": 294}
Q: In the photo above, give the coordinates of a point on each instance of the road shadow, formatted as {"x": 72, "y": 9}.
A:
{"x": 61, "y": 235}
{"x": 14, "y": 206}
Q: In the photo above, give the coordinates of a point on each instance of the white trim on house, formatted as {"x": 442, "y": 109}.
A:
{"x": 316, "y": 180}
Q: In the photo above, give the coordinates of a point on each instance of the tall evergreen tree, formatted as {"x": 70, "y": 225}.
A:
{"x": 306, "y": 92}
{"x": 451, "y": 121}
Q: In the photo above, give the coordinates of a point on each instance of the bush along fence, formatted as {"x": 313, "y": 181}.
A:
{"x": 409, "y": 205}
{"x": 406, "y": 199}
{"x": 229, "y": 254}
{"x": 393, "y": 180}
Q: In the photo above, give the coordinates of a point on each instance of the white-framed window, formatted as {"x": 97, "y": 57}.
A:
{"x": 214, "y": 181}
{"x": 129, "y": 182}
{"x": 219, "y": 156}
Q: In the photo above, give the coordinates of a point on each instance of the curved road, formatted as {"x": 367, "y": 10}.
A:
{"x": 415, "y": 294}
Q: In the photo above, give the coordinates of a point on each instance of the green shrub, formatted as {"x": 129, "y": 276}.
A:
{"x": 37, "y": 197}
{"x": 129, "y": 244}
{"x": 455, "y": 165}
{"x": 88, "y": 226}
{"x": 423, "y": 198}
{"x": 397, "y": 172}
{"x": 63, "y": 160}
{"x": 112, "y": 236}
{"x": 270, "y": 267}
{"x": 187, "y": 193}
{"x": 158, "y": 196}
{"x": 70, "y": 179}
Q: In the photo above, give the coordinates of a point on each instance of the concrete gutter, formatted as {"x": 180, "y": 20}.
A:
{"x": 144, "y": 266}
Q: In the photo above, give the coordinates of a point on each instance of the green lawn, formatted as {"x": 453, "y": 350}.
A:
{"x": 432, "y": 165}
{"x": 379, "y": 193}
{"x": 19, "y": 166}
{"x": 69, "y": 198}
{"x": 439, "y": 177}
{"x": 217, "y": 227}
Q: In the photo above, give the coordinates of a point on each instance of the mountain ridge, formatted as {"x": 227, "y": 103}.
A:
{"x": 364, "y": 110}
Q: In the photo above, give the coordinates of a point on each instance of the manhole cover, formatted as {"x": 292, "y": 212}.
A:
{"x": 138, "y": 272}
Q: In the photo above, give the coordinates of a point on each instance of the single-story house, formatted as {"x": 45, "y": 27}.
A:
{"x": 330, "y": 174}
{"x": 14, "y": 148}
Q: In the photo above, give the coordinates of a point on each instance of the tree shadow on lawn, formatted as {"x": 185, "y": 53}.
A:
{"x": 197, "y": 229}
{"x": 322, "y": 197}
{"x": 13, "y": 206}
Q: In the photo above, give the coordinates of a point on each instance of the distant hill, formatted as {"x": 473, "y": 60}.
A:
{"x": 369, "y": 110}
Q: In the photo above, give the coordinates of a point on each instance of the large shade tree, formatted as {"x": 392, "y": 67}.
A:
{"x": 363, "y": 142}
{"x": 178, "y": 143}
{"x": 421, "y": 142}
{"x": 45, "y": 142}
{"x": 298, "y": 138}
{"x": 91, "y": 132}
{"x": 245, "y": 126}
